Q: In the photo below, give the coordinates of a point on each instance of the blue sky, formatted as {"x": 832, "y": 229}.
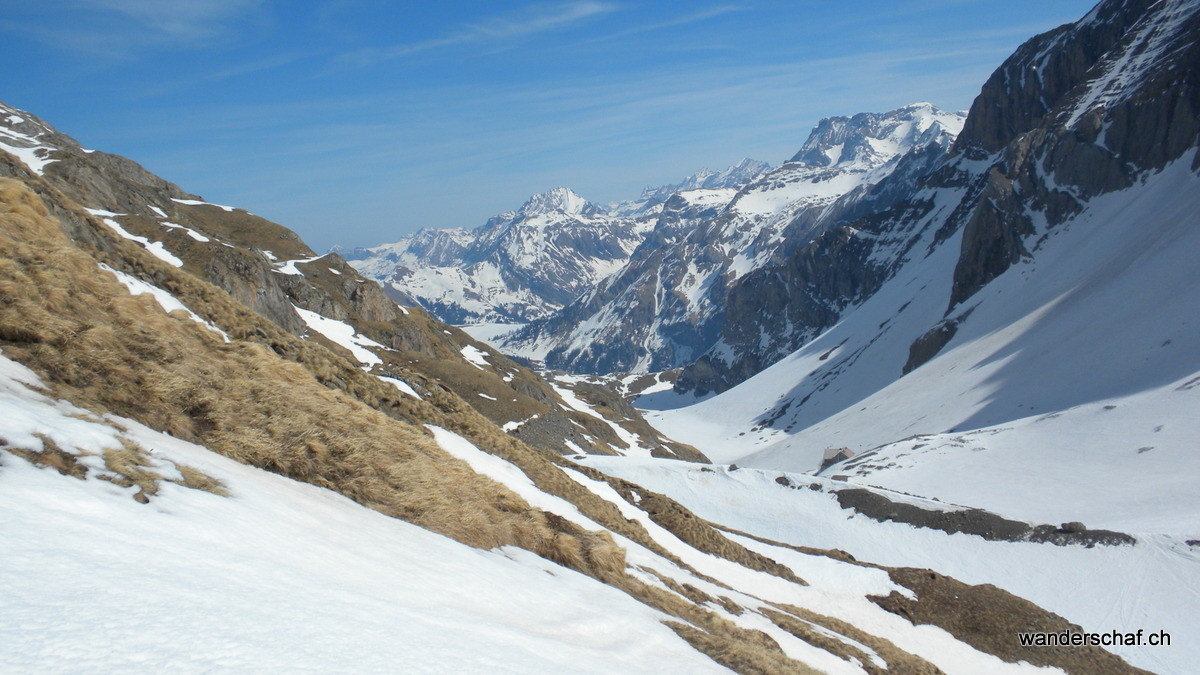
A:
{"x": 356, "y": 121}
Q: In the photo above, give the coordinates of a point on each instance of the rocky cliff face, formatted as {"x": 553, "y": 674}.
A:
{"x": 1076, "y": 113}
{"x": 667, "y": 306}
{"x": 268, "y": 268}
{"x": 1081, "y": 111}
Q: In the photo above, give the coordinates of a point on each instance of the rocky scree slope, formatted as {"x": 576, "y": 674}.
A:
{"x": 121, "y": 337}
{"x": 666, "y": 306}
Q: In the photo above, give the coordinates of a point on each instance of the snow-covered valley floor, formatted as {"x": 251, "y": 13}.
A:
{"x": 1154, "y": 584}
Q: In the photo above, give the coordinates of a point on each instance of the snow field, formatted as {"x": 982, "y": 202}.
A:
{"x": 343, "y": 334}
{"x": 155, "y": 248}
{"x": 843, "y": 598}
{"x": 168, "y": 302}
{"x": 1068, "y": 393}
{"x": 1152, "y": 585}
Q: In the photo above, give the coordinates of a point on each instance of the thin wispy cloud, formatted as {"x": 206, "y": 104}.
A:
{"x": 703, "y": 15}
{"x": 534, "y": 19}
{"x": 235, "y": 71}
{"x": 126, "y": 28}
{"x": 186, "y": 20}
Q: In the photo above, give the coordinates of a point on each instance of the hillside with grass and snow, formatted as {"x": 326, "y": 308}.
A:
{"x": 937, "y": 387}
{"x": 222, "y": 454}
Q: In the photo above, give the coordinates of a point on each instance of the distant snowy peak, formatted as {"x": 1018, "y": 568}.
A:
{"x": 874, "y": 138}
{"x": 735, "y": 176}
{"x": 518, "y": 266}
{"x": 844, "y": 155}
{"x": 559, "y": 200}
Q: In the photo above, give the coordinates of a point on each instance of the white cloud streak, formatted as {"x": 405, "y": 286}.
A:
{"x": 703, "y": 15}
{"x": 188, "y": 20}
{"x": 120, "y": 29}
{"x": 532, "y": 20}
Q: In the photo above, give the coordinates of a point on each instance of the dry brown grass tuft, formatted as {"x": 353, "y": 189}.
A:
{"x": 752, "y": 653}
{"x": 50, "y": 456}
{"x": 131, "y": 467}
{"x": 800, "y": 622}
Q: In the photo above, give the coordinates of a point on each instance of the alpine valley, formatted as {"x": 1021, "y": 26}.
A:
{"x": 931, "y": 384}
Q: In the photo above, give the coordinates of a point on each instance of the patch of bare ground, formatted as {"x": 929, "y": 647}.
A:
{"x": 984, "y": 616}
{"x": 989, "y": 619}
{"x": 830, "y": 634}
{"x": 128, "y": 466}
{"x": 51, "y": 457}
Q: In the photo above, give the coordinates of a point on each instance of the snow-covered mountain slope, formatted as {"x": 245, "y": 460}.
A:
{"x": 666, "y": 306}
{"x": 519, "y": 266}
{"x": 1026, "y": 341}
{"x": 736, "y": 176}
{"x": 125, "y": 364}
{"x": 1153, "y": 585}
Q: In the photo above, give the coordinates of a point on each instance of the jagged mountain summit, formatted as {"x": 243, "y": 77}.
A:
{"x": 518, "y": 266}
{"x": 526, "y": 264}
{"x": 666, "y": 306}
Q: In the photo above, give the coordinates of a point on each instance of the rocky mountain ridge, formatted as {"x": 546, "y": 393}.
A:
{"x": 516, "y": 267}
{"x": 666, "y": 307}
{"x": 528, "y": 263}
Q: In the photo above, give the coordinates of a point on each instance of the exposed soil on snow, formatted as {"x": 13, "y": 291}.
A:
{"x": 989, "y": 619}
{"x": 974, "y": 521}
